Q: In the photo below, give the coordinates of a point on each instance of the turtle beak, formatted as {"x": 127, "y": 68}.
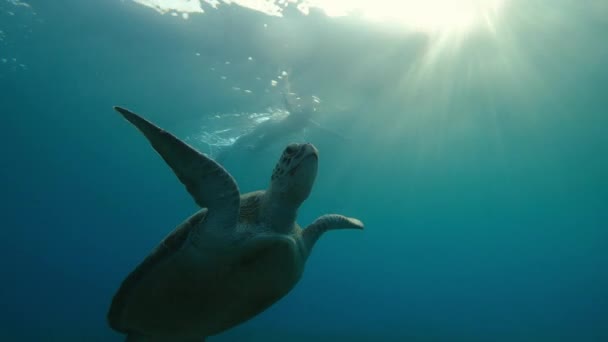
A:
{"x": 310, "y": 147}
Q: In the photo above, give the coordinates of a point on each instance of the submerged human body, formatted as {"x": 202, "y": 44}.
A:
{"x": 298, "y": 118}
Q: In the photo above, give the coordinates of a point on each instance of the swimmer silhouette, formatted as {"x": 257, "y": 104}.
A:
{"x": 268, "y": 132}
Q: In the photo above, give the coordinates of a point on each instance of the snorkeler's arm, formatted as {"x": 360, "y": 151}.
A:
{"x": 327, "y": 130}
{"x": 288, "y": 105}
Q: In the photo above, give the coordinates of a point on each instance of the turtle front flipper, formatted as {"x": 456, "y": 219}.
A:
{"x": 208, "y": 183}
{"x": 311, "y": 234}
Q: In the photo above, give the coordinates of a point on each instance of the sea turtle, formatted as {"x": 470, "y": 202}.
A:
{"x": 229, "y": 261}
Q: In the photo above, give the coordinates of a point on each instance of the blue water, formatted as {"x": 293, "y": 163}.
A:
{"x": 479, "y": 166}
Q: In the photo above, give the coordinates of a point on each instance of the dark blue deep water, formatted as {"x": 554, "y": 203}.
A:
{"x": 478, "y": 162}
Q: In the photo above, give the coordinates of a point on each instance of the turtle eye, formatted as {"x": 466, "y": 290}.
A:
{"x": 291, "y": 149}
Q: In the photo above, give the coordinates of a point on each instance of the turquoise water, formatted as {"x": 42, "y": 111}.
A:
{"x": 477, "y": 162}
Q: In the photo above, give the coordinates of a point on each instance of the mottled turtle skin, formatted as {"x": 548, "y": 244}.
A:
{"x": 230, "y": 260}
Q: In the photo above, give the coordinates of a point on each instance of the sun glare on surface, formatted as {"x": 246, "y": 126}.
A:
{"x": 422, "y": 15}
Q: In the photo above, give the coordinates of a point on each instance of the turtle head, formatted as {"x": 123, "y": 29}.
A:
{"x": 294, "y": 175}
